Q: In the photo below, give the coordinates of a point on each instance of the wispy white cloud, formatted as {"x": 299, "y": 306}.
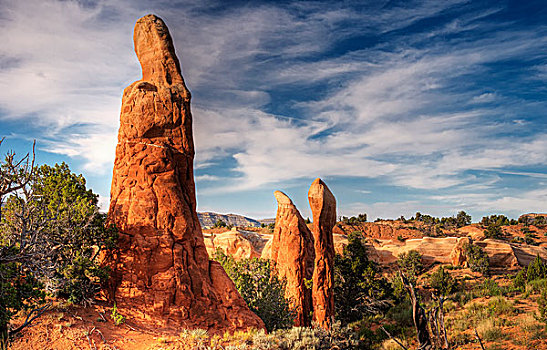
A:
{"x": 403, "y": 109}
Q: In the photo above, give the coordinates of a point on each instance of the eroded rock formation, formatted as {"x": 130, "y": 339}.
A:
{"x": 457, "y": 255}
{"x": 293, "y": 256}
{"x": 323, "y": 207}
{"x": 161, "y": 272}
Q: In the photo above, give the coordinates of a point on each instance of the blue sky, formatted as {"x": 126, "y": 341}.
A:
{"x": 400, "y": 106}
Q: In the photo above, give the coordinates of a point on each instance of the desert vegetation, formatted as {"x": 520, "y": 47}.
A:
{"x": 53, "y": 235}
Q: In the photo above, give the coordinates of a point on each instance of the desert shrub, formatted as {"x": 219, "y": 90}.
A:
{"x": 262, "y": 290}
{"x": 496, "y": 220}
{"x": 358, "y": 287}
{"x": 536, "y": 286}
{"x": 493, "y": 231}
{"x": 301, "y": 338}
{"x": 530, "y": 238}
{"x": 68, "y": 232}
{"x": 19, "y": 290}
{"x": 531, "y": 330}
{"x": 542, "y": 305}
{"x": 489, "y": 331}
{"x": 443, "y": 282}
{"x": 536, "y": 270}
{"x": 489, "y": 288}
{"x": 519, "y": 281}
{"x": 411, "y": 264}
{"x": 477, "y": 259}
{"x": 116, "y": 316}
{"x": 500, "y": 306}
{"x": 219, "y": 224}
{"x": 354, "y": 220}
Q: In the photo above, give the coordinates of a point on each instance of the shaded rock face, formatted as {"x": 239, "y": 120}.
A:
{"x": 323, "y": 207}
{"x": 293, "y": 256}
{"x": 161, "y": 271}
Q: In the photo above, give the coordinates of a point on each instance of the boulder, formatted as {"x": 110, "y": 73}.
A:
{"x": 323, "y": 207}
{"x": 161, "y": 270}
{"x": 293, "y": 256}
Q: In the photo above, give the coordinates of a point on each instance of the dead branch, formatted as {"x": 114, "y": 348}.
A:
{"x": 393, "y": 338}
{"x": 418, "y": 315}
{"x": 38, "y": 312}
{"x": 479, "y": 339}
{"x": 441, "y": 318}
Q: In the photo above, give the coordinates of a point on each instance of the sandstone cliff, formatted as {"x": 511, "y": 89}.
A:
{"x": 161, "y": 272}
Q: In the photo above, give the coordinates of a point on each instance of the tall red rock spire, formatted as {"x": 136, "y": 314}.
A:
{"x": 292, "y": 254}
{"x": 323, "y": 207}
{"x": 161, "y": 271}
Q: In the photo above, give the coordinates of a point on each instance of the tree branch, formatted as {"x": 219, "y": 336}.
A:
{"x": 39, "y": 312}
{"x": 393, "y": 338}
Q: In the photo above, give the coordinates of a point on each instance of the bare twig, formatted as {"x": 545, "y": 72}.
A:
{"x": 102, "y": 336}
{"x": 38, "y": 312}
{"x": 92, "y": 347}
{"x": 479, "y": 339}
{"x": 393, "y": 338}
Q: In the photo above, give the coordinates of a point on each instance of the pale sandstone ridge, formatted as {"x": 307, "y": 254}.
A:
{"x": 293, "y": 256}
{"x": 161, "y": 271}
{"x": 238, "y": 243}
{"x": 323, "y": 207}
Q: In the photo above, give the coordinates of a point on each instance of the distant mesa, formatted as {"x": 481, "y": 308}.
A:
{"x": 161, "y": 272}
{"x": 209, "y": 219}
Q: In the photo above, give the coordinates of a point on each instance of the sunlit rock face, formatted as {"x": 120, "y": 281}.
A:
{"x": 161, "y": 271}
{"x": 323, "y": 207}
{"x": 292, "y": 255}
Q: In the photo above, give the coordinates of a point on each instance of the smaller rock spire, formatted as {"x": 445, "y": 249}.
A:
{"x": 323, "y": 207}
{"x": 292, "y": 255}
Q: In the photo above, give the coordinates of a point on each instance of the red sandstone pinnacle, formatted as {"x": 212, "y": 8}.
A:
{"x": 292, "y": 254}
{"x": 323, "y": 207}
{"x": 161, "y": 271}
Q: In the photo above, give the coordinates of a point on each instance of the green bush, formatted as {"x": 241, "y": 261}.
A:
{"x": 536, "y": 286}
{"x": 302, "y": 338}
{"x": 19, "y": 290}
{"x": 489, "y": 288}
{"x": 77, "y": 229}
{"x": 493, "y": 231}
{"x": 536, "y": 270}
{"x": 262, "y": 290}
{"x": 542, "y": 306}
{"x": 500, "y": 306}
{"x": 411, "y": 264}
{"x": 359, "y": 289}
{"x": 496, "y": 220}
{"x": 443, "y": 282}
{"x": 354, "y": 220}
{"x": 477, "y": 259}
{"x": 116, "y": 316}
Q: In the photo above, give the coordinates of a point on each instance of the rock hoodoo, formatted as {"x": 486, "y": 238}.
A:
{"x": 292, "y": 254}
{"x": 161, "y": 271}
{"x": 323, "y": 207}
